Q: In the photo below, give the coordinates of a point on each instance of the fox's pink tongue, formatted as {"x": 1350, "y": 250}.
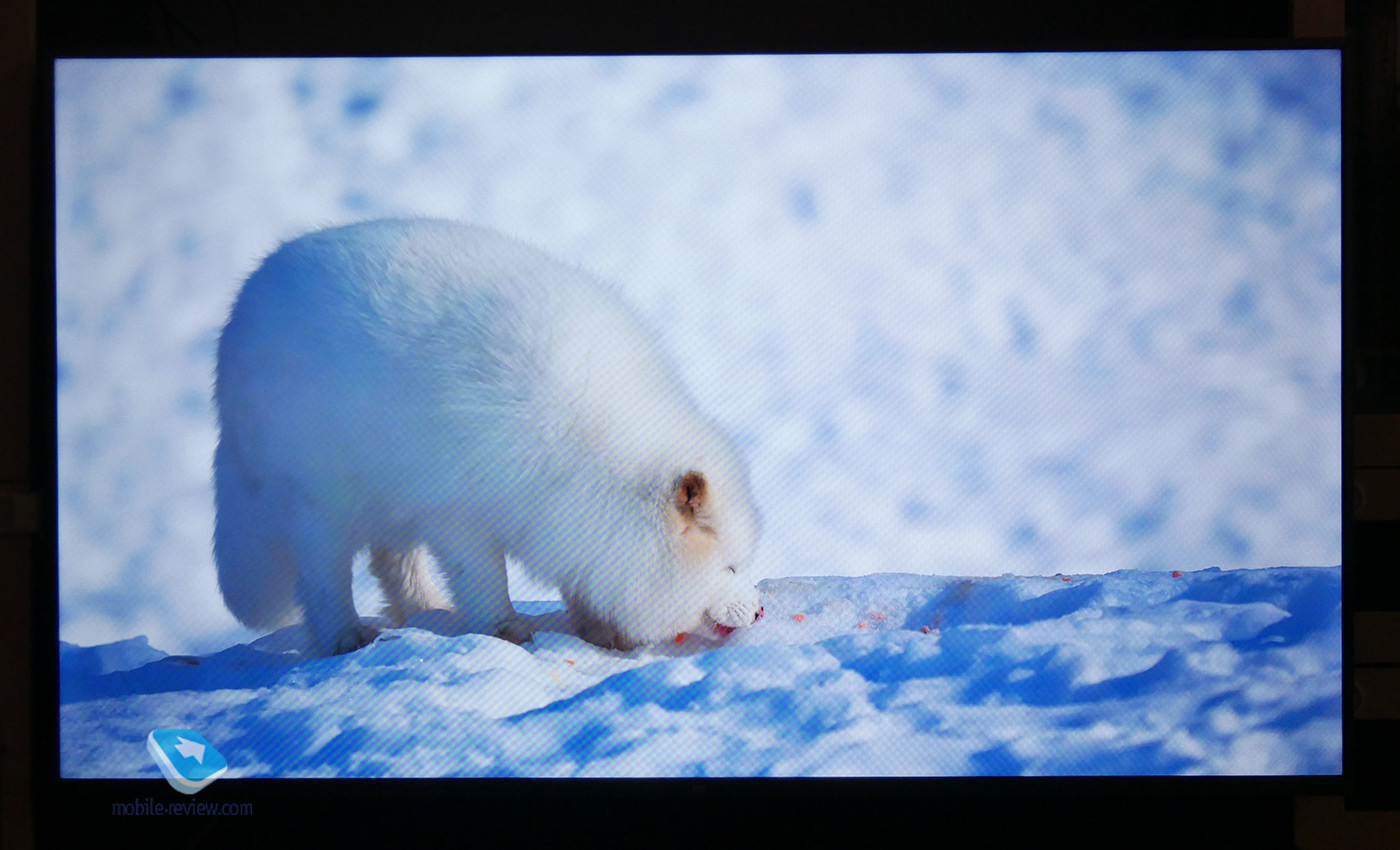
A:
{"x": 724, "y": 631}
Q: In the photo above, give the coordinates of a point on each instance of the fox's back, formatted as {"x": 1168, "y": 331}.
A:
{"x": 426, "y": 351}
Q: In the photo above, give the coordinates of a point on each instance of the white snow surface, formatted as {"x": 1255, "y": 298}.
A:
{"x": 1128, "y": 673}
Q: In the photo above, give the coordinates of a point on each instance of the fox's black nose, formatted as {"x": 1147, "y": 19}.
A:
{"x": 759, "y": 615}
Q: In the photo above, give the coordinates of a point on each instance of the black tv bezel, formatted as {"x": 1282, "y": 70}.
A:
{"x": 507, "y": 800}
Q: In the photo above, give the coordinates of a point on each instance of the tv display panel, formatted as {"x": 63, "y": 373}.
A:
{"x": 1032, "y": 363}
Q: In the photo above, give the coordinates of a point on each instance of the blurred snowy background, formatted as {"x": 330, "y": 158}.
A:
{"x": 963, "y": 314}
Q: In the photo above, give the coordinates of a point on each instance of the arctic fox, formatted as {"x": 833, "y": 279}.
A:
{"x": 401, "y": 385}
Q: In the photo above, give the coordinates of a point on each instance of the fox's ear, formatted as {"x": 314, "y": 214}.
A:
{"x": 691, "y": 497}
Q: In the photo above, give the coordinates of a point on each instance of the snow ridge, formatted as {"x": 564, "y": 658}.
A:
{"x": 1128, "y": 673}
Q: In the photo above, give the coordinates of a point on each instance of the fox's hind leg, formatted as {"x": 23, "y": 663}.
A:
{"x": 322, "y": 554}
{"x": 258, "y": 584}
{"x": 404, "y": 578}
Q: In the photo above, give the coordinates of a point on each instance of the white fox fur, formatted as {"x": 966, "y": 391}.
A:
{"x": 393, "y": 385}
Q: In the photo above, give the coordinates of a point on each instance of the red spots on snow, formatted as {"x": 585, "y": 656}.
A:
{"x": 1176, "y": 573}
{"x": 799, "y": 617}
{"x": 932, "y": 628}
{"x": 680, "y": 638}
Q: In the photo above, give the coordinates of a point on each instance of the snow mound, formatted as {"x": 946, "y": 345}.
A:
{"x": 1127, "y": 673}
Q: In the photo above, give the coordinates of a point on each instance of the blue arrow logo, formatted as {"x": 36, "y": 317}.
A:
{"x": 187, "y": 760}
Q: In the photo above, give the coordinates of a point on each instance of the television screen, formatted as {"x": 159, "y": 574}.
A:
{"x": 699, "y": 416}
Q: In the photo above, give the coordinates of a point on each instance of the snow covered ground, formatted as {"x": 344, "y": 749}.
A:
{"x": 965, "y": 316}
{"x": 1129, "y": 673}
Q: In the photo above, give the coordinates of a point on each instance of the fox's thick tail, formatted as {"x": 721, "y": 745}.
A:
{"x": 257, "y": 575}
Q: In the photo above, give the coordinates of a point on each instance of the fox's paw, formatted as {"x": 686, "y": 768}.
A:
{"x": 350, "y": 639}
{"x": 605, "y": 637}
{"x": 517, "y": 630}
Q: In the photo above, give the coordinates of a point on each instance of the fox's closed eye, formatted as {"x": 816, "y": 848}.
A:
{"x": 731, "y": 569}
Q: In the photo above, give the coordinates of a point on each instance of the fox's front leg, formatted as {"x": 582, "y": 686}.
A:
{"x": 597, "y": 632}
